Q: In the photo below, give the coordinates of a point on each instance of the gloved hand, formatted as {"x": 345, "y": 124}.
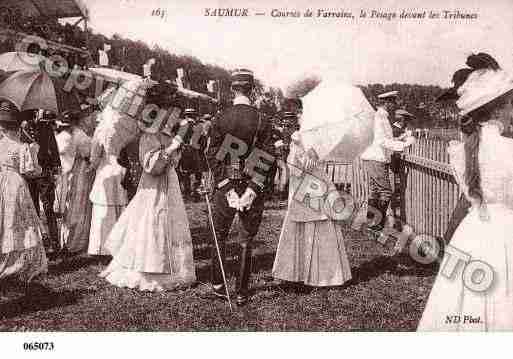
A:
{"x": 247, "y": 199}
{"x": 279, "y": 144}
{"x": 233, "y": 199}
{"x": 410, "y": 140}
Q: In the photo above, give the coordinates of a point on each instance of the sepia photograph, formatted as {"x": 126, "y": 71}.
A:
{"x": 255, "y": 166}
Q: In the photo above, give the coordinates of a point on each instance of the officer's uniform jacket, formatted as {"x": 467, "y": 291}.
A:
{"x": 244, "y": 122}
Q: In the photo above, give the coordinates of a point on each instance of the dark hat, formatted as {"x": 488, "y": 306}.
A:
{"x": 49, "y": 115}
{"x": 242, "y": 77}
{"x": 8, "y": 111}
{"x": 68, "y": 118}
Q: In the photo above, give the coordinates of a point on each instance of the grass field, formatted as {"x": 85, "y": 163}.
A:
{"x": 383, "y": 294}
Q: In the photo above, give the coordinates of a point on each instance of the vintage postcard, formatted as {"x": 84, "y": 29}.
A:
{"x": 254, "y": 166}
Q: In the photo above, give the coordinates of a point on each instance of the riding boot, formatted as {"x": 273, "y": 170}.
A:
{"x": 242, "y": 283}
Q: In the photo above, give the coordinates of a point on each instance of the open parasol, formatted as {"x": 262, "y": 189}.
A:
{"x": 337, "y": 122}
{"x": 16, "y": 61}
{"x": 36, "y": 89}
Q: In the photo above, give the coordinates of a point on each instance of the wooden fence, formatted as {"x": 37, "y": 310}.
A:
{"x": 429, "y": 193}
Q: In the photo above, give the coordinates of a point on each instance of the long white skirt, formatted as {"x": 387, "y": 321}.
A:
{"x": 312, "y": 253}
{"x": 103, "y": 220}
{"x": 455, "y": 306}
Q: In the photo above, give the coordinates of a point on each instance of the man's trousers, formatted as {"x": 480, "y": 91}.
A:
{"x": 223, "y": 216}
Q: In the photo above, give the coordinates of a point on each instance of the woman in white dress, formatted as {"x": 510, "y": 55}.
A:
{"x": 22, "y": 255}
{"x": 115, "y": 130}
{"x": 74, "y": 185}
{"x": 311, "y": 248}
{"x": 482, "y": 300}
{"x": 151, "y": 243}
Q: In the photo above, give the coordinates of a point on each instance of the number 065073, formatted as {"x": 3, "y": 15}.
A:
{"x": 48, "y": 346}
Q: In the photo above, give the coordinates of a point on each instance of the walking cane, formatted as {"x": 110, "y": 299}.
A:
{"x": 218, "y": 251}
{"x": 211, "y": 220}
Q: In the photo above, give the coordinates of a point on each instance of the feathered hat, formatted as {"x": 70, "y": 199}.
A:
{"x": 478, "y": 84}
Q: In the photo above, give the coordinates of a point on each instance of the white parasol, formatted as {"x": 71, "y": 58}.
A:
{"x": 337, "y": 122}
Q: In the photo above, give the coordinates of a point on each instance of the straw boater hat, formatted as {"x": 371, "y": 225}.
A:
{"x": 388, "y": 96}
{"x": 403, "y": 114}
{"x": 8, "y": 112}
{"x": 190, "y": 112}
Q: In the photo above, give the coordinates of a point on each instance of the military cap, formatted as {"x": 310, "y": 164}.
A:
{"x": 242, "y": 77}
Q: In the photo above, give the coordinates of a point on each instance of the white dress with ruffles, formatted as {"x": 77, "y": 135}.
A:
{"x": 151, "y": 243}
{"x": 108, "y": 196}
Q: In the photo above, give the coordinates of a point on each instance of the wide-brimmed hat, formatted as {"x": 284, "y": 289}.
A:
{"x": 8, "y": 112}
{"x": 478, "y": 84}
{"x": 482, "y": 87}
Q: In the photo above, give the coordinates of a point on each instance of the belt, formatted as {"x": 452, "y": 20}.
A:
{"x": 234, "y": 171}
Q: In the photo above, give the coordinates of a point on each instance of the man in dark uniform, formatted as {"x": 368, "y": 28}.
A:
{"x": 240, "y": 132}
{"x": 41, "y": 131}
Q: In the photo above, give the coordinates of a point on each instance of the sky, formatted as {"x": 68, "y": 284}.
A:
{"x": 281, "y": 50}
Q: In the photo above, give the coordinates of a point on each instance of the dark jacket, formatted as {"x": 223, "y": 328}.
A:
{"x": 245, "y": 123}
{"x": 42, "y": 133}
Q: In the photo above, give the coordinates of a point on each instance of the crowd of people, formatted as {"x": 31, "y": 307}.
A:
{"x": 114, "y": 184}
{"x": 60, "y": 36}
{"x": 14, "y": 19}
